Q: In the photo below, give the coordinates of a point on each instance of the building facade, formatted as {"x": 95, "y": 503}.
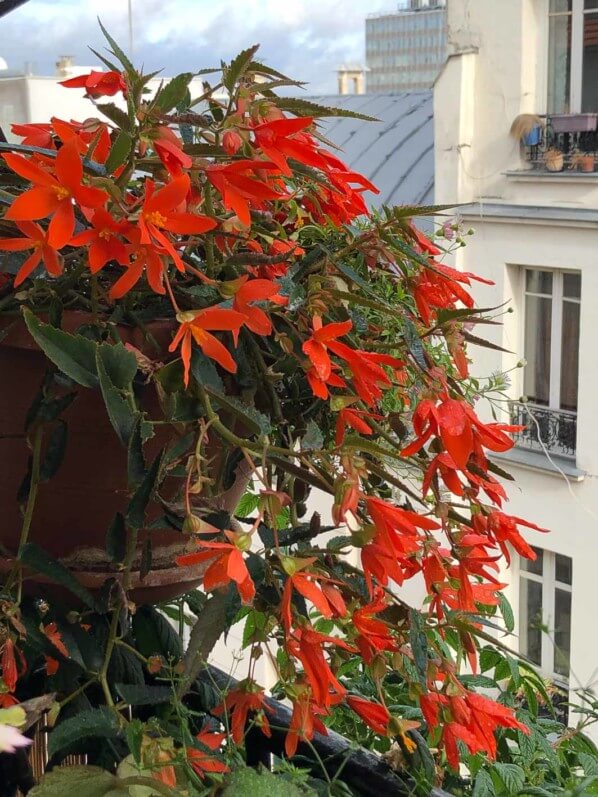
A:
{"x": 406, "y": 49}
{"x": 533, "y": 202}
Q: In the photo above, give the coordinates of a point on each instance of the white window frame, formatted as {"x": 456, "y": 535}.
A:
{"x": 577, "y": 15}
{"x": 556, "y": 328}
{"x": 549, "y": 584}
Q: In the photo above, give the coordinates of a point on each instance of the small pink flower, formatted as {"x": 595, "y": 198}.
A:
{"x": 11, "y": 738}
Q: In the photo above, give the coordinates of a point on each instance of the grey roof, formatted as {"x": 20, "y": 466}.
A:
{"x": 396, "y": 153}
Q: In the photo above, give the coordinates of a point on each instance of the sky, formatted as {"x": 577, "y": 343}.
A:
{"x": 306, "y": 40}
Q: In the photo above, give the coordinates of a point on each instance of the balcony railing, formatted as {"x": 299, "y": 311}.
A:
{"x": 567, "y": 143}
{"x": 545, "y": 428}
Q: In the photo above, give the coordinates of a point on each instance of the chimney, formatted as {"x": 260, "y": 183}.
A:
{"x": 64, "y": 65}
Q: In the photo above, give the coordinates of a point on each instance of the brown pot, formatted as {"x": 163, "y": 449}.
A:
{"x": 586, "y": 163}
{"x": 74, "y": 509}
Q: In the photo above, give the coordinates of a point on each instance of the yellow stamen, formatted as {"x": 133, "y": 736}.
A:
{"x": 61, "y": 192}
{"x": 155, "y": 218}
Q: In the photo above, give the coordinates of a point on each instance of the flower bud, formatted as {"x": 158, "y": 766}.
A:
{"x": 231, "y": 142}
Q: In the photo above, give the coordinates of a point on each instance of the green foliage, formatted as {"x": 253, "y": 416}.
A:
{"x": 246, "y": 782}
{"x": 97, "y": 723}
{"x": 76, "y": 780}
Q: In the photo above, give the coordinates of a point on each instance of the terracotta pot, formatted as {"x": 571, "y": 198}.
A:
{"x": 586, "y": 163}
{"x": 74, "y": 509}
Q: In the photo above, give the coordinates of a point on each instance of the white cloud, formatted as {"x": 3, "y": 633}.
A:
{"x": 308, "y": 40}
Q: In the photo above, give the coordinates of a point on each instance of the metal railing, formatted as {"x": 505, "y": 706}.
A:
{"x": 555, "y": 430}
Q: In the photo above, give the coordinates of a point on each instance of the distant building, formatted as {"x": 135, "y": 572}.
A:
{"x": 351, "y": 79}
{"x": 406, "y": 49}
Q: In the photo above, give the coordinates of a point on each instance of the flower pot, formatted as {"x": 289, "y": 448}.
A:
{"x": 586, "y": 163}
{"x": 554, "y": 160}
{"x": 75, "y": 508}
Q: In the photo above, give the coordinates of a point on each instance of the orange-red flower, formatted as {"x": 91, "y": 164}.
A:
{"x": 195, "y": 326}
{"x": 103, "y": 240}
{"x": 53, "y": 193}
{"x": 169, "y": 149}
{"x": 240, "y": 189}
{"x": 316, "y": 348}
{"x": 98, "y": 84}
{"x": 304, "y": 720}
{"x": 375, "y": 715}
{"x": 245, "y": 698}
{"x": 53, "y": 634}
{"x": 257, "y": 290}
{"x": 307, "y": 645}
{"x": 373, "y": 634}
{"x": 36, "y": 239}
{"x": 12, "y": 663}
{"x": 355, "y": 419}
{"x": 225, "y": 564}
{"x": 202, "y": 762}
{"x": 316, "y": 588}
{"x": 35, "y": 134}
{"x": 284, "y": 138}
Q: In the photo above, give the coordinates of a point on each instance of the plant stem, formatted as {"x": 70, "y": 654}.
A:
{"x": 35, "y": 467}
{"x": 77, "y": 692}
{"x": 210, "y": 264}
{"x": 110, "y": 642}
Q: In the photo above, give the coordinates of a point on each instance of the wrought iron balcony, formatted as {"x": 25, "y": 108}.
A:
{"x": 568, "y": 142}
{"x": 545, "y": 428}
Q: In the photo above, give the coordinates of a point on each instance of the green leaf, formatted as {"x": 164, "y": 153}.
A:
{"x": 79, "y": 781}
{"x": 489, "y": 658}
{"x": 204, "y": 371}
{"x": 54, "y": 453}
{"x": 248, "y": 781}
{"x": 100, "y": 723}
{"x": 120, "y": 364}
{"x": 512, "y": 776}
{"x": 238, "y": 67}
{"x": 301, "y": 107}
{"x": 117, "y": 52}
{"x": 115, "y": 114}
{"x": 74, "y": 355}
{"x": 248, "y": 504}
{"x": 116, "y": 539}
{"x": 31, "y": 555}
{"x": 419, "y": 646}
{"x": 313, "y": 439}
{"x": 173, "y": 92}
{"x": 119, "y": 151}
{"x": 154, "y": 635}
{"x": 253, "y": 419}
{"x": 135, "y": 459}
{"x": 483, "y": 786}
{"x": 143, "y": 694}
{"x": 506, "y": 612}
{"x": 134, "y": 732}
{"x": 122, "y": 413}
{"x": 139, "y": 501}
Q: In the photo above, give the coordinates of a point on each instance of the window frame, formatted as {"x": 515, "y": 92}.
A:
{"x": 577, "y": 14}
{"x": 556, "y": 327}
{"x": 549, "y": 584}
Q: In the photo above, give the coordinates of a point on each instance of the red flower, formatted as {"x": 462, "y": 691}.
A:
{"x": 195, "y": 326}
{"x": 161, "y": 211}
{"x": 35, "y": 134}
{"x": 316, "y": 347}
{"x": 374, "y": 715}
{"x": 326, "y": 598}
{"x": 304, "y": 720}
{"x": 11, "y": 671}
{"x": 53, "y": 634}
{"x": 503, "y": 529}
{"x": 307, "y": 645}
{"x": 98, "y": 84}
{"x": 257, "y": 290}
{"x": 374, "y": 635}
{"x": 283, "y": 138}
{"x": 169, "y": 149}
{"x": 231, "y": 142}
{"x": 203, "y": 763}
{"x": 53, "y": 194}
{"x": 239, "y": 188}
{"x": 355, "y": 419}
{"x": 36, "y": 239}
{"x": 102, "y": 239}
{"x": 246, "y": 697}
{"x": 225, "y": 564}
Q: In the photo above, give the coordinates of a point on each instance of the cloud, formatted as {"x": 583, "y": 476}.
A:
{"x": 308, "y": 40}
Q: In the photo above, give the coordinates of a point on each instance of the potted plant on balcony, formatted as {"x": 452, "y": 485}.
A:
{"x": 554, "y": 160}
{"x": 207, "y": 313}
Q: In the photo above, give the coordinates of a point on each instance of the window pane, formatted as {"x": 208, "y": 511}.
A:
{"x": 562, "y": 631}
{"x": 569, "y": 355}
{"x": 538, "y": 320}
{"x": 564, "y": 569}
{"x": 589, "y": 85}
{"x": 537, "y": 565}
{"x": 538, "y": 281}
{"x": 559, "y": 64}
{"x": 557, "y": 6}
{"x": 530, "y": 620}
{"x": 591, "y": 4}
{"x": 572, "y": 283}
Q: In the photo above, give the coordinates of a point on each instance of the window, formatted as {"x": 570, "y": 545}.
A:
{"x": 573, "y": 56}
{"x": 545, "y": 611}
{"x": 551, "y": 344}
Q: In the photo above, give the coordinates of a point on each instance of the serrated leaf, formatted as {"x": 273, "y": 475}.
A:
{"x": 100, "y": 723}
{"x": 419, "y": 646}
{"x": 238, "y": 67}
{"x": 483, "y": 785}
{"x": 116, "y": 538}
{"x": 54, "y": 452}
{"x": 143, "y": 694}
{"x": 506, "y": 612}
{"x": 82, "y": 781}
{"x": 134, "y": 732}
{"x": 119, "y": 151}
{"x": 313, "y": 439}
{"x": 204, "y": 371}
{"x": 31, "y": 555}
{"x": 301, "y": 107}
{"x": 115, "y": 114}
{"x": 173, "y": 92}
{"x": 248, "y": 504}
{"x": 138, "y": 503}
{"x": 512, "y": 775}
{"x": 120, "y": 411}
{"x": 74, "y": 355}
{"x": 253, "y": 419}
{"x": 135, "y": 459}
{"x": 117, "y": 52}
{"x": 120, "y": 364}
{"x": 155, "y": 635}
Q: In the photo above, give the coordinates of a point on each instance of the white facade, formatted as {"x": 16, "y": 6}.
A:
{"x": 524, "y": 218}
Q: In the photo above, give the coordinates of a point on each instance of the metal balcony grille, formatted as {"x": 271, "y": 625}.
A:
{"x": 555, "y": 430}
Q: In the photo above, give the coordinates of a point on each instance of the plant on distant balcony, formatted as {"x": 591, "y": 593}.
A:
{"x": 554, "y": 160}
{"x": 206, "y": 327}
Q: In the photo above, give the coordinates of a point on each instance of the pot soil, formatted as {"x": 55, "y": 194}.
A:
{"x": 75, "y": 508}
